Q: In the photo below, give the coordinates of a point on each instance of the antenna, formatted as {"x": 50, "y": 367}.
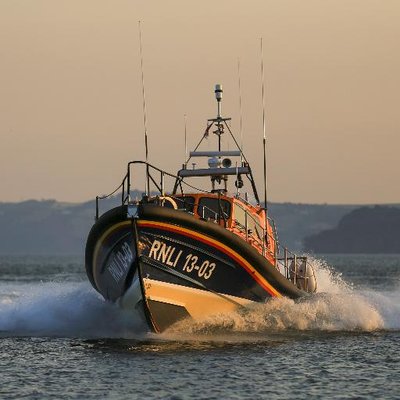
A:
{"x": 147, "y": 184}
{"x": 143, "y": 94}
{"x": 220, "y": 127}
{"x": 186, "y": 151}
{"x": 240, "y": 113}
{"x": 264, "y": 136}
{"x": 218, "y": 95}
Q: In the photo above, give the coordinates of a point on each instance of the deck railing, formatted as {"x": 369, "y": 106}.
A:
{"x": 154, "y": 182}
{"x": 295, "y": 268}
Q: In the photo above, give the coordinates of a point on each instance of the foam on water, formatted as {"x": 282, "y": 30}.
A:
{"x": 336, "y": 307}
{"x": 64, "y": 309}
{"x": 76, "y": 310}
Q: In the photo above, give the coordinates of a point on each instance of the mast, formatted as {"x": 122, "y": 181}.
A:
{"x": 220, "y": 128}
{"x": 219, "y": 162}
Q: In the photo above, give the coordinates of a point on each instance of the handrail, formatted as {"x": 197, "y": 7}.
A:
{"x": 295, "y": 268}
{"x": 126, "y": 183}
{"x": 298, "y": 270}
{"x": 106, "y": 196}
{"x": 216, "y": 213}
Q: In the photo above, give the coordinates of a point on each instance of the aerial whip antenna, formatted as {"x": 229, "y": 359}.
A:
{"x": 143, "y": 94}
{"x": 186, "y": 151}
{"x": 240, "y": 112}
{"x": 144, "y": 110}
{"x": 264, "y": 136}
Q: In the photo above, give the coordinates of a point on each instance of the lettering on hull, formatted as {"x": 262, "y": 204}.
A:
{"x": 170, "y": 256}
{"x": 160, "y": 251}
{"x": 119, "y": 264}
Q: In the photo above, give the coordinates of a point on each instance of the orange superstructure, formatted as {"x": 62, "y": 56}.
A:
{"x": 236, "y": 215}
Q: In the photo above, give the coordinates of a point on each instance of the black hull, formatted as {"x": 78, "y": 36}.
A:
{"x": 185, "y": 266}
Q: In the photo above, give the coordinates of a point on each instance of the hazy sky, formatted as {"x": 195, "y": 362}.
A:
{"x": 71, "y": 107}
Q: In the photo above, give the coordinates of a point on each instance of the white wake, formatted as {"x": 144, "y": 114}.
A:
{"x": 63, "y": 309}
{"x": 336, "y": 307}
{"x": 70, "y": 309}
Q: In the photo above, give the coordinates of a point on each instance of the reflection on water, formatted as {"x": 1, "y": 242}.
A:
{"x": 173, "y": 345}
{"x": 170, "y": 346}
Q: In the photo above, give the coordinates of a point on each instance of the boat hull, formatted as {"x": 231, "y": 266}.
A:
{"x": 180, "y": 266}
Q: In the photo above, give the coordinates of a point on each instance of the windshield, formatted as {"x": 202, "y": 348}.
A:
{"x": 185, "y": 203}
{"x": 210, "y": 207}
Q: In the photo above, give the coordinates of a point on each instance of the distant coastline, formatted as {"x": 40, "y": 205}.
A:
{"x": 363, "y": 230}
{"x": 49, "y": 227}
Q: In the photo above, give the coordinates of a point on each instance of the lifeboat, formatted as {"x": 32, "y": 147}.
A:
{"x": 188, "y": 252}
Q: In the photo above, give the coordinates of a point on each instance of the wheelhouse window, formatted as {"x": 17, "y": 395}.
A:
{"x": 211, "y": 207}
{"x": 240, "y": 215}
{"x": 253, "y": 226}
{"x": 185, "y": 203}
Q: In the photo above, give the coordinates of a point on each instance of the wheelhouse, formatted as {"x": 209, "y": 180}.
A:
{"x": 236, "y": 215}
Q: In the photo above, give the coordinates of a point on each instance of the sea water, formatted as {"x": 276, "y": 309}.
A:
{"x": 59, "y": 339}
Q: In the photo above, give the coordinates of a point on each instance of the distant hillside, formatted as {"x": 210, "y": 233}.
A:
{"x": 363, "y": 230}
{"x": 49, "y": 227}
{"x": 46, "y": 227}
{"x": 296, "y": 221}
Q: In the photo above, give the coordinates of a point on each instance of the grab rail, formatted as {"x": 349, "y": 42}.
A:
{"x": 298, "y": 270}
{"x": 158, "y": 184}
